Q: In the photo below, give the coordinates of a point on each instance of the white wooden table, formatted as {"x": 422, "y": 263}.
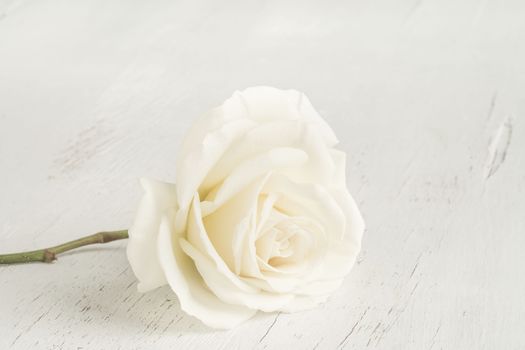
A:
{"x": 427, "y": 97}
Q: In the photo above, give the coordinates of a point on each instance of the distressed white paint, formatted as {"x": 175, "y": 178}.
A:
{"x": 427, "y": 97}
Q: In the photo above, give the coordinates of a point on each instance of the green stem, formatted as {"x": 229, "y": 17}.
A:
{"x": 48, "y": 255}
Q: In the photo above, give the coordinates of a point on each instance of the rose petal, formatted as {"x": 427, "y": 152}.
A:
{"x": 310, "y": 200}
{"x": 216, "y": 274}
{"x": 264, "y": 212}
{"x": 227, "y": 291}
{"x": 274, "y": 283}
{"x": 198, "y": 237}
{"x": 309, "y": 113}
{"x": 194, "y": 164}
{"x": 266, "y": 103}
{"x": 343, "y": 252}
{"x": 158, "y": 198}
{"x": 278, "y": 134}
{"x": 339, "y": 174}
{"x": 195, "y": 298}
{"x": 246, "y": 172}
{"x": 231, "y": 110}
{"x": 355, "y": 225}
{"x": 230, "y": 228}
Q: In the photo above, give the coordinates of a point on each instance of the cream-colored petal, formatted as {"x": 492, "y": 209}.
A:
{"x": 185, "y": 280}
{"x": 228, "y": 292}
{"x": 342, "y": 253}
{"x": 265, "y": 103}
{"x": 339, "y": 174}
{"x": 275, "y": 283}
{"x": 337, "y": 263}
{"x": 355, "y": 225}
{"x": 265, "y": 209}
{"x": 266, "y": 245}
{"x": 232, "y": 109}
{"x": 321, "y": 167}
{"x": 198, "y": 237}
{"x": 260, "y": 139}
{"x": 194, "y": 164}
{"x": 296, "y": 134}
{"x": 248, "y": 171}
{"x": 309, "y": 113}
{"x": 158, "y": 199}
{"x": 230, "y": 227}
{"x": 309, "y": 200}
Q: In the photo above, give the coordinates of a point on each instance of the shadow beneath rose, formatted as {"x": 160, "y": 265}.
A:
{"x": 102, "y": 295}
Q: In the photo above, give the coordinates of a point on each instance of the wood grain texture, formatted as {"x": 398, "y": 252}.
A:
{"x": 427, "y": 98}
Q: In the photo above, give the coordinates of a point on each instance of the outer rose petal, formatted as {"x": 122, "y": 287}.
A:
{"x": 265, "y": 137}
{"x": 158, "y": 199}
{"x": 195, "y": 298}
{"x": 266, "y": 103}
{"x": 215, "y": 133}
{"x": 194, "y": 164}
{"x": 232, "y": 109}
{"x": 355, "y": 225}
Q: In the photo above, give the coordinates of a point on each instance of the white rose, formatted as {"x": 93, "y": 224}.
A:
{"x": 260, "y": 218}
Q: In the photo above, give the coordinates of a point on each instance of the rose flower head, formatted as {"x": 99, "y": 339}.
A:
{"x": 260, "y": 217}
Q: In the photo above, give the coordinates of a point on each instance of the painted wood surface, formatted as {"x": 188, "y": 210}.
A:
{"x": 427, "y": 97}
